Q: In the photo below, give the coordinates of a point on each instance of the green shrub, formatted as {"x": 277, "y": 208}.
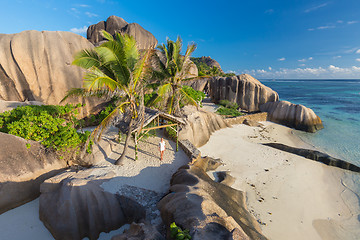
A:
{"x": 228, "y": 112}
{"x": 52, "y": 126}
{"x": 178, "y": 234}
{"x": 228, "y": 104}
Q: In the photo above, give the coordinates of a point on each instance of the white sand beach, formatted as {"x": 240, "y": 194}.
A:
{"x": 292, "y": 197}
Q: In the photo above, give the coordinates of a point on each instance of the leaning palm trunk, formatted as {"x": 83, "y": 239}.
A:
{"x": 121, "y": 159}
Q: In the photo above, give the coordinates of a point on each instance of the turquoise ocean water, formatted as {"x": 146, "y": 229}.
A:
{"x": 337, "y": 103}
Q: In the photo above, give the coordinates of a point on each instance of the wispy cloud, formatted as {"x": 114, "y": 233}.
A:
{"x": 316, "y": 7}
{"x": 306, "y": 59}
{"x": 330, "y": 72}
{"x": 322, "y": 27}
{"x": 302, "y": 65}
{"x": 352, "y": 22}
{"x": 358, "y": 59}
{"x": 80, "y": 31}
{"x": 89, "y": 14}
{"x": 269, "y": 11}
{"x": 83, "y": 5}
{"x": 282, "y": 59}
{"x": 340, "y": 21}
{"x": 337, "y": 57}
{"x": 358, "y": 51}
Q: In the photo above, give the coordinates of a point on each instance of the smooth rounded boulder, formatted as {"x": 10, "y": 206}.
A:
{"x": 24, "y": 165}
{"x": 246, "y": 91}
{"x": 292, "y": 115}
{"x": 40, "y": 68}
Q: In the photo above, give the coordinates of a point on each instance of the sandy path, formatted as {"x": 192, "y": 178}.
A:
{"x": 292, "y": 197}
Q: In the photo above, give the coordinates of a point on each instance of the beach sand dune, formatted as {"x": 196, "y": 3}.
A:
{"x": 292, "y": 197}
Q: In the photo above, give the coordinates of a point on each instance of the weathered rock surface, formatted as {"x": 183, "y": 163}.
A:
{"x": 36, "y": 66}
{"x": 292, "y": 115}
{"x": 22, "y": 170}
{"x": 10, "y": 105}
{"x": 114, "y": 24}
{"x": 316, "y": 156}
{"x": 74, "y": 205}
{"x": 208, "y": 209}
{"x": 243, "y": 89}
{"x": 140, "y": 231}
{"x": 200, "y": 124}
{"x": 200, "y": 84}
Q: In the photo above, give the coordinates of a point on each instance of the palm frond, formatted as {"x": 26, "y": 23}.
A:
{"x": 96, "y": 79}
{"x": 87, "y": 58}
{"x": 107, "y": 35}
{"x": 188, "y": 98}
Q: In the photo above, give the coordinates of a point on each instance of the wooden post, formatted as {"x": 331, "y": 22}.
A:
{"x": 158, "y": 120}
{"x": 136, "y": 147}
{"x": 177, "y": 137}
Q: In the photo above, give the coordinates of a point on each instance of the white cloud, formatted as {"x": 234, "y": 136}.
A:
{"x": 358, "y": 51}
{"x": 305, "y": 59}
{"x": 340, "y": 21}
{"x": 89, "y": 14}
{"x": 79, "y": 30}
{"x": 282, "y": 59}
{"x": 337, "y": 57}
{"x": 311, "y": 29}
{"x": 270, "y": 68}
{"x": 330, "y": 72}
{"x": 358, "y": 59}
{"x": 325, "y": 27}
{"x": 83, "y": 5}
{"x": 316, "y": 7}
{"x": 352, "y": 22}
{"x": 302, "y": 65}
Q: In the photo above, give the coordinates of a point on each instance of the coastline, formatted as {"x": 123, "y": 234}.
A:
{"x": 292, "y": 197}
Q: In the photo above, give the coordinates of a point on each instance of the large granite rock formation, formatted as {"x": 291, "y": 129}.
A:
{"x": 36, "y": 66}
{"x": 243, "y": 89}
{"x": 116, "y": 24}
{"x": 74, "y": 205}
{"x": 140, "y": 231}
{"x": 208, "y": 209}
{"x": 22, "y": 170}
{"x": 292, "y": 115}
{"x": 200, "y": 124}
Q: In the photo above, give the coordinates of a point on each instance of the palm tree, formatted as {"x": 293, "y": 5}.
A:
{"x": 114, "y": 69}
{"x": 171, "y": 68}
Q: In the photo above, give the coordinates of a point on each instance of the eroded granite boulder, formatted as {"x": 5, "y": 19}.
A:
{"x": 73, "y": 205}
{"x": 22, "y": 169}
{"x": 208, "y": 209}
{"x": 140, "y": 231}
{"x": 114, "y": 24}
{"x": 292, "y": 115}
{"x": 200, "y": 124}
{"x": 243, "y": 89}
{"x": 36, "y": 66}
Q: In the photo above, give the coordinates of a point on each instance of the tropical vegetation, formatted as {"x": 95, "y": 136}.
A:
{"x": 206, "y": 70}
{"x": 55, "y": 127}
{"x": 115, "y": 69}
{"x": 170, "y": 70}
{"x": 228, "y": 108}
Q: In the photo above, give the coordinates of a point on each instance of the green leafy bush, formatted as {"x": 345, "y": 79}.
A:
{"x": 228, "y": 104}
{"x": 179, "y": 234}
{"x": 52, "y": 126}
{"x": 228, "y": 112}
{"x": 206, "y": 70}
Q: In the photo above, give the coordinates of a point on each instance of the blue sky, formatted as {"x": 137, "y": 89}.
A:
{"x": 266, "y": 38}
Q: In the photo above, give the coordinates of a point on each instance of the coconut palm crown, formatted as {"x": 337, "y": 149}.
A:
{"x": 171, "y": 68}
{"x": 114, "y": 69}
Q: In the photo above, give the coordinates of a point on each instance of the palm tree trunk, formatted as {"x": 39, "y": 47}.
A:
{"x": 126, "y": 147}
